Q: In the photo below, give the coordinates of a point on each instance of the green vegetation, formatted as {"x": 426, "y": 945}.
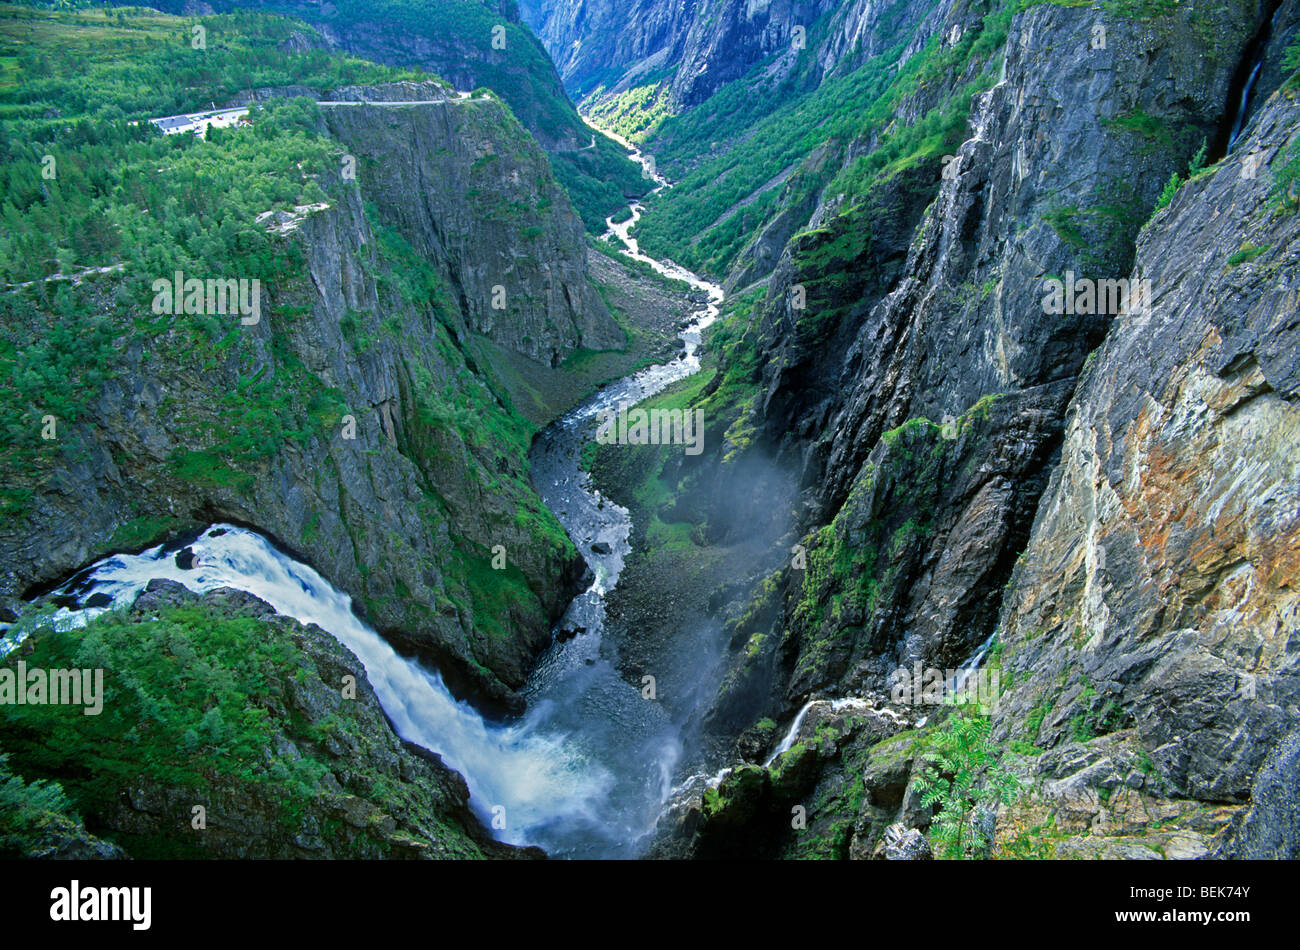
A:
{"x": 724, "y": 395}
{"x": 753, "y": 136}
{"x": 1141, "y": 9}
{"x": 189, "y": 681}
{"x": 94, "y": 192}
{"x": 600, "y": 181}
{"x": 1291, "y": 61}
{"x": 462, "y": 33}
{"x": 197, "y": 703}
{"x": 962, "y": 773}
{"x": 634, "y": 114}
{"x": 1286, "y": 179}
{"x": 1094, "y": 722}
{"x": 486, "y": 40}
{"x": 1034, "y": 721}
{"x": 140, "y": 531}
{"x": 1167, "y": 194}
{"x": 116, "y": 189}
{"x": 30, "y": 810}
{"x": 1247, "y": 252}
{"x": 856, "y": 563}
{"x": 1176, "y": 181}
{"x": 1036, "y": 842}
{"x": 141, "y": 206}
{"x": 1155, "y": 131}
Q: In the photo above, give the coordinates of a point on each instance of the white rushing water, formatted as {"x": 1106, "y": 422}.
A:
{"x": 793, "y": 734}
{"x": 587, "y": 770}
{"x": 576, "y": 687}
{"x": 541, "y": 778}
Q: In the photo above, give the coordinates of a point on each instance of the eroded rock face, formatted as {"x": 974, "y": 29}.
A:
{"x": 1162, "y": 568}
{"x": 1149, "y": 629}
{"x": 589, "y": 41}
{"x": 906, "y": 844}
{"x": 390, "y": 515}
{"x": 1269, "y": 829}
{"x": 1053, "y": 180}
{"x": 484, "y": 206}
{"x": 622, "y": 44}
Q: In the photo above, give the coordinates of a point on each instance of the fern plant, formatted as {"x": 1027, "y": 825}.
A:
{"x": 962, "y": 773}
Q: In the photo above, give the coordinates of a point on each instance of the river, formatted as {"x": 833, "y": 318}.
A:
{"x": 586, "y": 770}
{"x": 575, "y": 689}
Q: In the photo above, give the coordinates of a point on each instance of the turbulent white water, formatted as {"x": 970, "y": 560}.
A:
{"x": 586, "y": 771}
{"x": 541, "y": 778}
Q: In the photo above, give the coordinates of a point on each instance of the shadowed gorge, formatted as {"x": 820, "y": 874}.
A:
{"x": 631, "y": 429}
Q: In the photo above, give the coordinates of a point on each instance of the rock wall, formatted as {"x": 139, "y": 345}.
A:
{"x": 925, "y": 445}
{"x": 394, "y": 515}
{"x": 1162, "y": 566}
{"x": 695, "y": 48}
{"x": 484, "y": 206}
{"x": 957, "y": 440}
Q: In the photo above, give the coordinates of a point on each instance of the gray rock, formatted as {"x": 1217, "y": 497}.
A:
{"x": 906, "y": 844}
{"x": 1152, "y": 575}
{"x": 1270, "y": 828}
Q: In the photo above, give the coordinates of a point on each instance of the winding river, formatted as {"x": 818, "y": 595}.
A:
{"x": 586, "y": 771}
{"x": 575, "y": 689}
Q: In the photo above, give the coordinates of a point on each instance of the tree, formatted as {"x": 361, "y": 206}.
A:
{"x": 960, "y": 775}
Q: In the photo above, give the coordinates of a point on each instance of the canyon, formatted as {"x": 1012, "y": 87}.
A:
{"x": 830, "y": 233}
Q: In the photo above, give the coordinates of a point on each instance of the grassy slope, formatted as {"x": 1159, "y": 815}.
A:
{"x": 203, "y": 705}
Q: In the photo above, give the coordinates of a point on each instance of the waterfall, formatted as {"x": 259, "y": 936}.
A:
{"x": 954, "y": 686}
{"x": 587, "y": 770}
{"x": 1239, "y": 122}
{"x": 1260, "y": 47}
{"x": 541, "y": 778}
{"x": 784, "y": 745}
{"x": 793, "y": 734}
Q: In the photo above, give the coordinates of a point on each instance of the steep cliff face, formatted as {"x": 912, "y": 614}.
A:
{"x": 352, "y": 422}
{"x": 1162, "y": 566}
{"x": 606, "y": 40}
{"x": 724, "y": 41}
{"x": 484, "y": 205}
{"x": 1147, "y": 649}
{"x": 922, "y": 402}
{"x": 693, "y": 49}
{"x": 1261, "y": 76}
{"x": 914, "y": 367}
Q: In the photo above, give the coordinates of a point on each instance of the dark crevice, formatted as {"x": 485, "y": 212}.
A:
{"x": 1246, "y": 70}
